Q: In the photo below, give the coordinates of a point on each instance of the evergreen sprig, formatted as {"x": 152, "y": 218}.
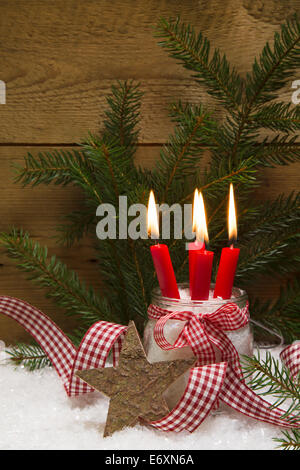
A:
{"x": 268, "y": 377}
{"x": 60, "y": 283}
{"x": 31, "y": 356}
{"x": 193, "y": 51}
{"x": 283, "y": 313}
{"x": 103, "y": 168}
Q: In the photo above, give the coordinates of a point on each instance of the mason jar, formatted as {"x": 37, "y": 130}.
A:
{"x": 242, "y": 338}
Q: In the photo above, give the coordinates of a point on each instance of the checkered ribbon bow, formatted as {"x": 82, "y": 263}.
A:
{"x": 206, "y": 385}
{"x": 203, "y": 332}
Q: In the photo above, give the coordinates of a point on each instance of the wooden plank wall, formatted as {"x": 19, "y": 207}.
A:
{"x": 59, "y": 59}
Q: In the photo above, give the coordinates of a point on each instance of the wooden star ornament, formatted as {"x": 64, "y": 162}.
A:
{"x": 136, "y": 386}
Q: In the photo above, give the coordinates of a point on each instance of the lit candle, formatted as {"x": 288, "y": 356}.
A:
{"x": 200, "y": 259}
{"x": 229, "y": 256}
{"x": 160, "y": 255}
{"x": 197, "y": 245}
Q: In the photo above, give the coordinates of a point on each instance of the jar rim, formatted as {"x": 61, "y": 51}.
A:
{"x": 238, "y": 295}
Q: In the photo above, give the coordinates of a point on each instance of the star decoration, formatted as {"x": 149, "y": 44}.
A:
{"x": 136, "y": 386}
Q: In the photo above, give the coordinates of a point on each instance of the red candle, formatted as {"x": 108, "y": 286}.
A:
{"x": 198, "y": 245}
{"x": 200, "y": 260}
{"x": 160, "y": 255}
{"x": 194, "y": 247}
{"x": 226, "y": 272}
{"x": 229, "y": 256}
{"x": 202, "y": 275}
{"x": 164, "y": 271}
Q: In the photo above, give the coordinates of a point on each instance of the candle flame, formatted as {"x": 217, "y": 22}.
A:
{"x": 199, "y": 218}
{"x": 232, "y": 225}
{"x": 152, "y": 217}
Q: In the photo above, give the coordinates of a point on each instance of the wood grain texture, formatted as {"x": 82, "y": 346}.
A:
{"x": 59, "y": 59}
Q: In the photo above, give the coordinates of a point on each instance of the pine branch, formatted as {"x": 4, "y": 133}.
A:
{"x": 76, "y": 225}
{"x": 275, "y": 254}
{"x": 193, "y": 51}
{"x": 180, "y": 157}
{"x": 122, "y": 116}
{"x": 30, "y": 356}
{"x": 274, "y": 66}
{"x": 112, "y": 157}
{"x": 273, "y": 217}
{"x": 290, "y": 440}
{"x": 52, "y": 168}
{"x": 280, "y": 150}
{"x": 277, "y": 117}
{"x": 61, "y": 284}
{"x": 269, "y": 377}
{"x": 283, "y": 312}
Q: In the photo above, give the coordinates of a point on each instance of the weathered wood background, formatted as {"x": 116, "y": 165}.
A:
{"x": 59, "y": 59}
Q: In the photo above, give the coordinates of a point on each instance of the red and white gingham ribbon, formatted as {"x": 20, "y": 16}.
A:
{"x": 290, "y": 356}
{"x": 92, "y": 352}
{"x": 103, "y": 337}
{"x": 207, "y": 384}
{"x": 200, "y": 332}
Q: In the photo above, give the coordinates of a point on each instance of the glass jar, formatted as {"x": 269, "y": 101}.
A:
{"x": 242, "y": 338}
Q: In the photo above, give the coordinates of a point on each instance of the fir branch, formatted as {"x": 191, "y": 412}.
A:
{"x": 222, "y": 81}
{"x": 283, "y": 312}
{"x": 270, "y": 239}
{"x": 280, "y": 150}
{"x": 76, "y": 225}
{"x": 273, "y": 217}
{"x": 52, "y": 168}
{"x": 277, "y": 117}
{"x": 275, "y": 254}
{"x": 290, "y": 440}
{"x": 274, "y": 66}
{"x": 61, "y": 284}
{"x": 30, "y": 356}
{"x": 219, "y": 178}
{"x": 122, "y": 116}
{"x": 269, "y": 377}
{"x": 180, "y": 157}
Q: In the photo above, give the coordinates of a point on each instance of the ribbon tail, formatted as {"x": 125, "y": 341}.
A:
{"x": 228, "y": 352}
{"x": 93, "y": 351}
{"x": 290, "y": 357}
{"x": 99, "y": 340}
{"x": 236, "y": 394}
{"x": 199, "y": 398}
{"x": 59, "y": 349}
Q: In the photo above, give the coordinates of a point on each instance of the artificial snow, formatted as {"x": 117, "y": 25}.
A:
{"x": 36, "y": 414}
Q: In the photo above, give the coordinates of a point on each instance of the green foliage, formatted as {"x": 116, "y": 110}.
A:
{"x": 269, "y": 377}
{"x": 283, "y": 314}
{"x": 30, "y": 356}
{"x": 60, "y": 284}
{"x": 103, "y": 167}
